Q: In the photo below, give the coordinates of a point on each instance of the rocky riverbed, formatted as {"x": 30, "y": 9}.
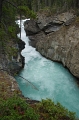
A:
{"x": 56, "y": 37}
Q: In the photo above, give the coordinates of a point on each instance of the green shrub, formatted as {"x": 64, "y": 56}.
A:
{"x": 51, "y": 111}
{"x": 16, "y": 108}
{"x": 12, "y": 31}
{"x": 24, "y": 10}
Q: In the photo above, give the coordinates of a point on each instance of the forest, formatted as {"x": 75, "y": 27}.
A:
{"x": 55, "y": 4}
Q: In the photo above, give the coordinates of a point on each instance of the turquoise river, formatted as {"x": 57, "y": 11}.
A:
{"x": 47, "y": 79}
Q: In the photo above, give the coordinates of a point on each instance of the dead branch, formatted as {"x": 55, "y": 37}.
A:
{"x": 29, "y": 82}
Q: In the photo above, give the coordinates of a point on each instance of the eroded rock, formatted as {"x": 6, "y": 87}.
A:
{"x": 59, "y": 40}
{"x": 31, "y": 27}
{"x": 62, "y": 46}
{"x": 13, "y": 62}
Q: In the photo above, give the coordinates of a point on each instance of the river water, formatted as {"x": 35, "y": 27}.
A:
{"x": 47, "y": 79}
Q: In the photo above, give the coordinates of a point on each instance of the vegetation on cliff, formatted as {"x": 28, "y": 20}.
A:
{"x": 16, "y": 108}
{"x": 9, "y": 48}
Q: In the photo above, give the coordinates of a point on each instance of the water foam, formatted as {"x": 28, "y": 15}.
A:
{"x": 50, "y": 78}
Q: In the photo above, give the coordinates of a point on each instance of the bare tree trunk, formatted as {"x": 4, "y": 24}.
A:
{"x": 29, "y": 82}
{"x": 49, "y": 3}
{"x": 39, "y": 4}
{"x": 46, "y": 2}
{"x": 1, "y": 2}
{"x": 77, "y": 3}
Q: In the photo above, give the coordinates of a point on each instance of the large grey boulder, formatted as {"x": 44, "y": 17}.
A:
{"x": 31, "y": 27}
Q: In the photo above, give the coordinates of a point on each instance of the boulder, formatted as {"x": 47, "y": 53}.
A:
{"x": 31, "y": 27}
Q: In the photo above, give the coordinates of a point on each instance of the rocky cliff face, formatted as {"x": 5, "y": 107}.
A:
{"x": 8, "y": 86}
{"x": 11, "y": 60}
{"x": 58, "y": 39}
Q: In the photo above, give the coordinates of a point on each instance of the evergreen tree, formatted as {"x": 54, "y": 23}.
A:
{"x": 66, "y": 4}
{"x": 9, "y": 9}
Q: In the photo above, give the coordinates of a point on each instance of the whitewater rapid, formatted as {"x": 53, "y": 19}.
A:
{"x": 50, "y": 79}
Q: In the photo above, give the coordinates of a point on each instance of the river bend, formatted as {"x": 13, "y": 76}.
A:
{"x": 50, "y": 79}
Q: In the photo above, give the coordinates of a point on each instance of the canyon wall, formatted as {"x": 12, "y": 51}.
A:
{"x": 11, "y": 60}
{"x": 57, "y": 38}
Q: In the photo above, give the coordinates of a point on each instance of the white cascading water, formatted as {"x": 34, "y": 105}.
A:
{"x": 48, "y": 79}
